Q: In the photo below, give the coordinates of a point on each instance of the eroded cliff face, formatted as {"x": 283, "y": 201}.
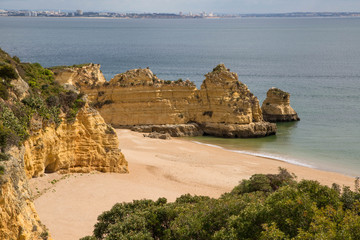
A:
{"x": 76, "y": 76}
{"x": 223, "y": 106}
{"x": 83, "y": 144}
{"x": 276, "y": 107}
{"x": 18, "y": 217}
{"x": 86, "y": 145}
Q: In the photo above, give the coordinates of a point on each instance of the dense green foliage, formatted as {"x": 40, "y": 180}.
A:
{"x": 25, "y": 109}
{"x": 272, "y": 206}
{"x": 40, "y": 104}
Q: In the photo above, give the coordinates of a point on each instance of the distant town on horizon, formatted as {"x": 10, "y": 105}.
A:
{"x": 180, "y": 15}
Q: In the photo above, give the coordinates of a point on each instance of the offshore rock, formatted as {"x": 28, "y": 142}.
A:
{"x": 276, "y": 107}
{"x": 139, "y": 100}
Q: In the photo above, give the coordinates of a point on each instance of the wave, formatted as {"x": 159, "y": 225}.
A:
{"x": 263, "y": 155}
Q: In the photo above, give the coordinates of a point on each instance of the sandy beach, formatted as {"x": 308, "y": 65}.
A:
{"x": 69, "y": 204}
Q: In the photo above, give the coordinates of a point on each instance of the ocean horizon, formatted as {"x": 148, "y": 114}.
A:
{"x": 316, "y": 60}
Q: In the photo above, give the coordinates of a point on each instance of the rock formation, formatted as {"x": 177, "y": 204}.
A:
{"x": 34, "y": 142}
{"x": 18, "y": 217}
{"x": 137, "y": 99}
{"x": 276, "y": 107}
{"x": 86, "y": 145}
{"x": 79, "y": 75}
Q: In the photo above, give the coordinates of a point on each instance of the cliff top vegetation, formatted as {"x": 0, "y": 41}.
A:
{"x": 28, "y": 94}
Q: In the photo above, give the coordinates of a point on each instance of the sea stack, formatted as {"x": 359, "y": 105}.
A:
{"x": 276, "y": 107}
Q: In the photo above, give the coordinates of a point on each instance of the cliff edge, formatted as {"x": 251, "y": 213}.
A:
{"x": 44, "y": 127}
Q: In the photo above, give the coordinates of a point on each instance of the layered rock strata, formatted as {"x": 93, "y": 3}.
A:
{"x": 83, "y": 145}
{"x": 276, "y": 107}
{"x": 79, "y": 75}
{"x": 86, "y": 145}
{"x": 137, "y": 99}
{"x": 18, "y": 217}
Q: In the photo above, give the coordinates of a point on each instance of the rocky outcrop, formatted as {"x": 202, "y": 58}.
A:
{"x": 276, "y": 107}
{"x": 79, "y": 75}
{"x": 82, "y": 142}
{"x": 18, "y": 217}
{"x": 86, "y": 145}
{"x": 174, "y": 130}
{"x": 164, "y": 136}
{"x": 223, "y": 106}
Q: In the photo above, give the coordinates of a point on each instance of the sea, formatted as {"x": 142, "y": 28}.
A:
{"x": 316, "y": 60}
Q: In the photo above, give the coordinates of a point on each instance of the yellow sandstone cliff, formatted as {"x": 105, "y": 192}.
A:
{"x": 18, "y": 217}
{"x": 276, "y": 107}
{"x": 85, "y": 144}
{"x": 137, "y": 99}
{"x": 88, "y": 144}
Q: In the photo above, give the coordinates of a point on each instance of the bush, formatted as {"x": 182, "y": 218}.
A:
{"x": 4, "y": 93}
{"x": 8, "y": 72}
{"x": 272, "y": 206}
{"x": 265, "y": 183}
{"x": 16, "y": 59}
{"x": 3, "y": 156}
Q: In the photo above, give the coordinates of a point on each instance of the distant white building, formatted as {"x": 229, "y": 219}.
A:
{"x": 79, "y": 12}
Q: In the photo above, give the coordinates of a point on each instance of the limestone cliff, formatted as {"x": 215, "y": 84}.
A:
{"x": 79, "y": 75}
{"x": 18, "y": 217}
{"x": 45, "y": 128}
{"x": 276, "y": 107}
{"x": 86, "y": 145}
{"x": 223, "y": 106}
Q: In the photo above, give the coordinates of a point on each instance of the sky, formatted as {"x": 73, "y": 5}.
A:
{"x": 175, "y": 6}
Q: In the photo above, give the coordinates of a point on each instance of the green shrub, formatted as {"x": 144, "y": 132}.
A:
{"x": 2, "y": 170}
{"x": 4, "y": 93}
{"x": 322, "y": 195}
{"x": 3, "y": 156}
{"x": 265, "y": 183}
{"x": 47, "y": 99}
{"x": 8, "y": 72}
{"x": 16, "y": 59}
{"x": 272, "y": 206}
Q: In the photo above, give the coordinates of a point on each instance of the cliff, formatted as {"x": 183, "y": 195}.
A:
{"x": 78, "y": 75}
{"x": 137, "y": 99}
{"x": 88, "y": 144}
{"x": 276, "y": 107}
{"x": 18, "y": 217}
{"x": 44, "y": 128}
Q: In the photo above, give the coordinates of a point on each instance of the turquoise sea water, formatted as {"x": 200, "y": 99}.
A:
{"x": 316, "y": 60}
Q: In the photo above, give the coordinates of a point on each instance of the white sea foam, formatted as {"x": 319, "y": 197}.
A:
{"x": 264, "y": 155}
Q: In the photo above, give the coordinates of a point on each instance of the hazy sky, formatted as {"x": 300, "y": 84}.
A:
{"x": 217, "y": 6}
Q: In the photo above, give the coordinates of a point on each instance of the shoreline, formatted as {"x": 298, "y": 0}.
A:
{"x": 275, "y": 158}
{"x": 158, "y": 168}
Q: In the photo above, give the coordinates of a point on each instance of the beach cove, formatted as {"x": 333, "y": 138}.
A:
{"x": 69, "y": 204}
